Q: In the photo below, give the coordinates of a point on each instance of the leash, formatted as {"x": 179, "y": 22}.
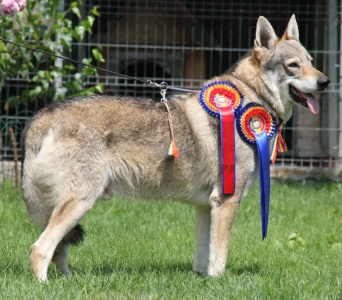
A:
{"x": 163, "y": 86}
{"x": 147, "y": 82}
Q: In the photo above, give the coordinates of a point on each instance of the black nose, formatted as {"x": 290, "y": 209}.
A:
{"x": 323, "y": 83}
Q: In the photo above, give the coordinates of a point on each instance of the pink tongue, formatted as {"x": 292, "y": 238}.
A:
{"x": 313, "y": 105}
{"x": 312, "y": 102}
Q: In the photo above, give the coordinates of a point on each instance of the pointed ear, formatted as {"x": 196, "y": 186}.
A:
{"x": 265, "y": 35}
{"x": 291, "y": 32}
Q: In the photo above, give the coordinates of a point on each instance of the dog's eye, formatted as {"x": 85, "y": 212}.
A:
{"x": 293, "y": 65}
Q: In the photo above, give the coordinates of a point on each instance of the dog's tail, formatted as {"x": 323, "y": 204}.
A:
{"x": 75, "y": 236}
{"x": 38, "y": 176}
{"x": 34, "y": 192}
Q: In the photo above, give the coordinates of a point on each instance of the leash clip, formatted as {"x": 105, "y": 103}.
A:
{"x": 163, "y": 87}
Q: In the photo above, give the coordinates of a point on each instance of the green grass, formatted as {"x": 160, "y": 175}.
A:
{"x": 144, "y": 250}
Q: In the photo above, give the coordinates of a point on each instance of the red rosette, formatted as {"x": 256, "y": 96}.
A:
{"x": 220, "y": 89}
{"x": 255, "y": 117}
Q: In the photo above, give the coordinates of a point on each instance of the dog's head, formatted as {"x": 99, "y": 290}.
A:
{"x": 287, "y": 67}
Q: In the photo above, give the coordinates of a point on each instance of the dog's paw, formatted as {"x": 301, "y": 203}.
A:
{"x": 39, "y": 264}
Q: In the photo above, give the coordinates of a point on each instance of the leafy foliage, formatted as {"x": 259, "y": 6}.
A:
{"x": 44, "y": 26}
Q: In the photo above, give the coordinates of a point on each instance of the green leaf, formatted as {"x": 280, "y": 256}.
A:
{"x": 97, "y": 54}
{"x": 61, "y": 93}
{"x": 99, "y": 88}
{"x": 88, "y": 23}
{"x": 79, "y": 32}
{"x": 78, "y": 76}
{"x": 66, "y": 41}
{"x": 89, "y": 71}
{"x": 87, "y": 61}
{"x": 69, "y": 67}
{"x": 91, "y": 20}
{"x": 36, "y": 91}
{"x": 76, "y": 11}
{"x": 3, "y": 47}
{"x": 293, "y": 236}
{"x": 45, "y": 84}
{"x": 24, "y": 72}
{"x": 95, "y": 11}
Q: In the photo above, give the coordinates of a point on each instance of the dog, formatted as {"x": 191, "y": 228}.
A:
{"x": 76, "y": 151}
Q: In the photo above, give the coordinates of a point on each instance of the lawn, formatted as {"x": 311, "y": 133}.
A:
{"x": 144, "y": 250}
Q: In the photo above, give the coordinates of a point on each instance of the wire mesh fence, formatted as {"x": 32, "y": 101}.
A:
{"x": 187, "y": 42}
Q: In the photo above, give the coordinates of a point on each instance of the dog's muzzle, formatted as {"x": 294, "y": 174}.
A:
{"x": 307, "y": 99}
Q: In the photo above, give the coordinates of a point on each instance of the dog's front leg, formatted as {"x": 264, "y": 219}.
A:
{"x": 213, "y": 227}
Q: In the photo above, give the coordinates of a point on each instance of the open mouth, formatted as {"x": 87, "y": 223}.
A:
{"x": 303, "y": 99}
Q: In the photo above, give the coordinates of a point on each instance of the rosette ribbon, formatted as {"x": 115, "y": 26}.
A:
{"x": 256, "y": 126}
{"x": 265, "y": 182}
{"x": 222, "y": 99}
{"x": 227, "y": 128}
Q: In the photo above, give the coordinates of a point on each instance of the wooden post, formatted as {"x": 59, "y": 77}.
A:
{"x": 15, "y": 156}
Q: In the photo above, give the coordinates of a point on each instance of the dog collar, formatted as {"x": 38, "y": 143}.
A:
{"x": 255, "y": 125}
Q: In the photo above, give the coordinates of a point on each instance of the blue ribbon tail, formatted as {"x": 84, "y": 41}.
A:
{"x": 265, "y": 182}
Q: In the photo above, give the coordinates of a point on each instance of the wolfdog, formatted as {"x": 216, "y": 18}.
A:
{"x": 79, "y": 150}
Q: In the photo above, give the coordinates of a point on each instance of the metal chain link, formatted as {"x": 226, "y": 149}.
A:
{"x": 162, "y": 85}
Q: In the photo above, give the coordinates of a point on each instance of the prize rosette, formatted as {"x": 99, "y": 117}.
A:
{"x": 222, "y": 99}
{"x": 252, "y": 119}
{"x": 256, "y": 126}
{"x": 220, "y": 89}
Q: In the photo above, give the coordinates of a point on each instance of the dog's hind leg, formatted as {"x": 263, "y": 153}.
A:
{"x": 60, "y": 256}
{"x": 213, "y": 227}
{"x": 63, "y": 220}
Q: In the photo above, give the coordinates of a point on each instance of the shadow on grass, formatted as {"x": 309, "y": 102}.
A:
{"x": 246, "y": 269}
{"x": 14, "y": 269}
{"x": 162, "y": 268}
{"x": 105, "y": 269}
